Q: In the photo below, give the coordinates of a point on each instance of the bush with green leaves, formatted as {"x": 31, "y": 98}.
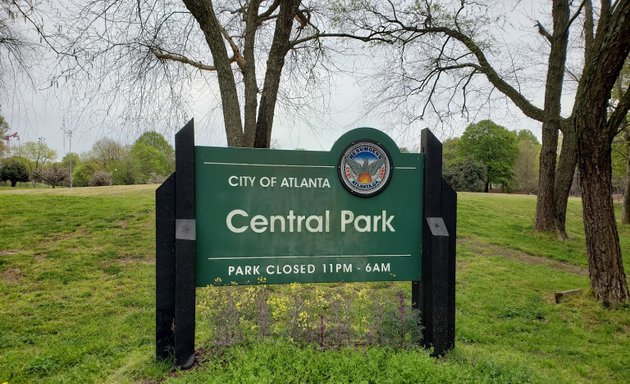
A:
{"x": 83, "y": 173}
{"x": 125, "y": 171}
{"x": 149, "y": 161}
{"x": 466, "y": 176}
{"x": 15, "y": 169}
{"x": 157, "y": 141}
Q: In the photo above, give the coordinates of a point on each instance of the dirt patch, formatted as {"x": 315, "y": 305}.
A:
{"x": 135, "y": 260}
{"x": 7, "y": 253}
{"x": 486, "y": 249}
{"x": 12, "y": 275}
{"x": 84, "y": 191}
{"x": 58, "y": 237}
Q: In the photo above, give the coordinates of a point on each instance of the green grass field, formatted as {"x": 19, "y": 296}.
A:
{"x": 77, "y": 303}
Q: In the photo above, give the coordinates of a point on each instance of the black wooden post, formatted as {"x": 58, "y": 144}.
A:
{"x": 165, "y": 269}
{"x": 185, "y": 246}
{"x": 175, "y": 284}
{"x": 437, "y": 301}
{"x": 434, "y": 295}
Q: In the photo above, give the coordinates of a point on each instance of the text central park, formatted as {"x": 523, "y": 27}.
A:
{"x": 240, "y": 221}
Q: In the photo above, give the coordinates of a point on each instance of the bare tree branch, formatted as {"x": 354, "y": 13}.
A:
{"x": 419, "y": 27}
{"x": 371, "y": 37}
{"x": 486, "y": 68}
{"x": 160, "y": 54}
{"x": 238, "y": 57}
{"x": 267, "y": 14}
{"x": 27, "y": 16}
{"x": 577, "y": 13}
{"x": 543, "y": 31}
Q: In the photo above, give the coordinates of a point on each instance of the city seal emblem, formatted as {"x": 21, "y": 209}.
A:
{"x": 365, "y": 168}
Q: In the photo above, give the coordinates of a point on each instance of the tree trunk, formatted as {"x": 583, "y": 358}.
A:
{"x": 249, "y": 72}
{"x": 625, "y": 128}
{"x": 275, "y": 63}
{"x": 595, "y": 132}
{"x": 608, "y": 279}
{"x": 546, "y": 202}
{"x": 564, "y": 179}
{"x": 203, "y": 12}
{"x": 625, "y": 205}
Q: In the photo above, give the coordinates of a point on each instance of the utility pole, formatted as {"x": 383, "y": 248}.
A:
{"x": 68, "y": 132}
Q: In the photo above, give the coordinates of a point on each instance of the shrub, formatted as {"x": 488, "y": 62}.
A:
{"x": 100, "y": 179}
{"x": 83, "y": 173}
{"x": 468, "y": 176}
{"x": 154, "y": 178}
{"x": 53, "y": 174}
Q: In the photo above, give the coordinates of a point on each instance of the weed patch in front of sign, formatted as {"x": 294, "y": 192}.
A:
{"x": 326, "y": 315}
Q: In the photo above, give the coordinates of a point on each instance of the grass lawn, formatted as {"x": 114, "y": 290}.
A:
{"x": 77, "y": 303}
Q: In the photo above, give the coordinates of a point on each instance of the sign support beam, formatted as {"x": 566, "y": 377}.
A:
{"x": 165, "y": 269}
{"x": 176, "y": 256}
{"x": 434, "y": 295}
{"x": 185, "y": 246}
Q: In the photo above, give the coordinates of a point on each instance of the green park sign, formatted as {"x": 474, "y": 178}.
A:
{"x": 271, "y": 216}
{"x": 363, "y": 211}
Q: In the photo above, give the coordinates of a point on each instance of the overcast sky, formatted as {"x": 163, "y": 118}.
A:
{"x": 41, "y": 111}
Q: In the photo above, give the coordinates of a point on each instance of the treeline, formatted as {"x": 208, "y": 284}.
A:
{"x": 150, "y": 159}
{"x": 488, "y": 156}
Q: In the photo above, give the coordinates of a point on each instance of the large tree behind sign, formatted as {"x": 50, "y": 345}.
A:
{"x": 448, "y": 57}
{"x": 445, "y": 47}
{"x": 147, "y": 48}
{"x": 595, "y": 129}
